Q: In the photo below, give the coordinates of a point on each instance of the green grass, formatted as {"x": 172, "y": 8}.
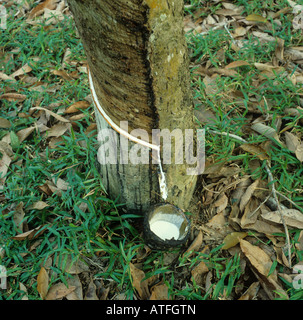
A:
{"x": 230, "y": 117}
{"x": 83, "y": 222}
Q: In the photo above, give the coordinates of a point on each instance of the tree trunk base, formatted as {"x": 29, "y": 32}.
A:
{"x": 133, "y": 185}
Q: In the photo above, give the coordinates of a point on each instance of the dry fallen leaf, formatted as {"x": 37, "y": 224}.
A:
{"x": 23, "y": 70}
{"x": 4, "y": 165}
{"x": 104, "y": 293}
{"x": 55, "y": 142}
{"x": 255, "y": 150}
{"x": 71, "y": 265}
{"x": 39, "y": 205}
{"x": 42, "y": 283}
{"x": 292, "y": 141}
{"x": 138, "y": 283}
{"x": 240, "y": 31}
{"x": 91, "y": 128}
{"x": 4, "y": 123}
{"x": 29, "y": 235}
{"x": 263, "y": 227}
{"x": 238, "y": 192}
{"x": 255, "y": 18}
{"x": 46, "y": 188}
{"x": 218, "y": 222}
{"x": 159, "y": 292}
{"x": 258, "y": 258}
{"x": 281, "y": 258}
{"x": 6, "y": 148}
{"x": 229, "y": 12}
{"x": 91, "y": 292}
{"x": 298, "y": 245}
{"x": 250, "y": 213}
{"x": 211, "y": 86}
{"x": 60, "y": 183}
{"x": 12, "y": 96}
{"x": 57, "y": 116}
{"x": 251, "y": 292}
{"x": 262, "y": 266}
{"x": 266, "y": 131}
{"x": 248, "y": 194}
{"x": 232, "y": 6}
{"x": 294, "y": 53}
{"x": 75, "y": 107}
{"x": 279, "y": 52}
{"x": 195, "y": 246}
{"x": 225, "y": 72}
{"x": 4, "y": 77}
{"x": 59, "y": 291}
{"x": 58, "y": 129}
{"x": 292, "y": 217}
{"x": 52, "y": 16}
{"x": 208, "y": 283}
{"x": 263, "y": 37}
{"x": 221, "y": 203}
{"x": 66, "y": 58}
{"x": 39, "y": 9}
{"x": 232, "y": 239}
{"x": 269, "y": 71}
{"x": 22, "y": 287}
{"x": 198, "y": 271}
{"x": 297, "y": 8}
{"x": 2, "y": 252}
{"x": 24, "y": 133}
{"x": 18, "y": 216}
{"x": 75, "y": 118}
{"x": 272, "y": 288}
{"x": 237, "y": 64}
{"x": 63, "y": 74}
{"x": 299, "y": 152}
{"x": 76, "y": 294}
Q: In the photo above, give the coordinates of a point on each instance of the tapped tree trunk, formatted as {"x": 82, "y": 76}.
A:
{"x": 139, "y": 77}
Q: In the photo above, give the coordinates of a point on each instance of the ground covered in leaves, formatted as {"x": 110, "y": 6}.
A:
{"x": 61, "y": 237}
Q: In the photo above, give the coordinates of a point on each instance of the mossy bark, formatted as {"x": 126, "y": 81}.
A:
{"x": 137, "y": 56}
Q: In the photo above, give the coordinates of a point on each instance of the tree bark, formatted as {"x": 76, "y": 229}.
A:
{"x": 138, "y": 62}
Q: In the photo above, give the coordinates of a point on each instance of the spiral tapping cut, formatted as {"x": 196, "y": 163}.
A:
{"x": 162, "y": 180}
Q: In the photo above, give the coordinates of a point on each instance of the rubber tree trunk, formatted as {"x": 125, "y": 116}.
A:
{"x": 138, "y": 63}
